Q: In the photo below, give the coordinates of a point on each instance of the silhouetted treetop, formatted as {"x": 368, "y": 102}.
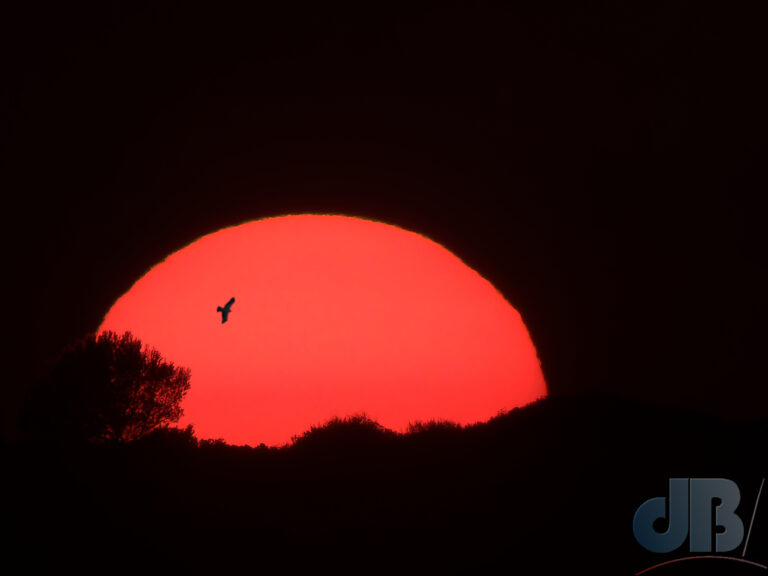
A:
{"x": 106, "y": 388}
{"x": 352, "y": 430}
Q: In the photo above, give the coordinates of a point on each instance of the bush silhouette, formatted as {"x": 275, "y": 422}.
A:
{"x": 354, "y": 430}
{"x": 105, "y": 388}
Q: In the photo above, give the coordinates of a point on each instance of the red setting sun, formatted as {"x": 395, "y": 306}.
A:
{"x": 332, "y": 316}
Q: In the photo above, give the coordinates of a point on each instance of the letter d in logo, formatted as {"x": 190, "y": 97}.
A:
{"x": 651, "y": 510}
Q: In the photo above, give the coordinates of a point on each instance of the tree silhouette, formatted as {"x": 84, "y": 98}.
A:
{"x": 106, "y": 388}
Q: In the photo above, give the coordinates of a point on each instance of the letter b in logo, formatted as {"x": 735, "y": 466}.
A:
{"x": 690, "y": 508}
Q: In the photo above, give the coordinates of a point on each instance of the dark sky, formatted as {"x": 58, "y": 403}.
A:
{"x": 595, "y": 161}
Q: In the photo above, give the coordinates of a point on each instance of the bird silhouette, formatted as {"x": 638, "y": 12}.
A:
{"x": 226, "y": 309}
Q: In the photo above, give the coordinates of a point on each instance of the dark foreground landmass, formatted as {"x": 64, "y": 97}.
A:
{"x": 550, "y": 488}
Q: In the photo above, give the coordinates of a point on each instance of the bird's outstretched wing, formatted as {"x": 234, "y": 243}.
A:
{"x": 231, "y": 301}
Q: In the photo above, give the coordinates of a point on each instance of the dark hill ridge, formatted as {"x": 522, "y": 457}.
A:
{"x": 555, "y": 483}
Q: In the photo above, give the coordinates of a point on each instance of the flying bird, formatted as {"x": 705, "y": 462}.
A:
{"x": 226, "y": 309}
